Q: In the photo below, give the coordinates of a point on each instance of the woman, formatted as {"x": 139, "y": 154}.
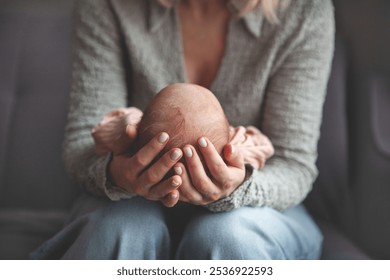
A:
{"x": 268, "y": 64}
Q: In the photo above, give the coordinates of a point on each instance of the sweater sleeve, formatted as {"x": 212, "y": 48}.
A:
{"x": 98, "y": 86}
{"x": 291, "y": 117}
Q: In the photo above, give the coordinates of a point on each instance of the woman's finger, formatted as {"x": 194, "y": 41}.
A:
{"x": 155, "y": 173}
{"x": 199, "y": 177}
{"x": 171, "y": 199}
{"x": 165, "y": 187}
{"x": 148, "y": 153}
{"x": 216, "y": 165}
{"x": 131, "y": 133}
{"x": 225, "y": 175}
{"x": 187, "y": 191}
{"x": 233, "y": 157}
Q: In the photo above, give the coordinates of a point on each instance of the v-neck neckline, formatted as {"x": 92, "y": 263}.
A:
{"x": 182, "y": 63}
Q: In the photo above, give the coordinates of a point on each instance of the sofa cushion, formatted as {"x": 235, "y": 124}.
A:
{"x": 21, "y": 231}
{"x": 365, "y": 214}
{"x": 380, "y": 108}
{"x": 337, "y": 246}
{"x": 330, "y": 189}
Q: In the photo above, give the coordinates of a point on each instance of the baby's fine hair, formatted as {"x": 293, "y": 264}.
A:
{"x": 186, "y": 112}
{"x": 181, "y": 130}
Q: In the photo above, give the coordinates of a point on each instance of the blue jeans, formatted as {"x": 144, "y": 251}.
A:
{"x": 141, "y": 229}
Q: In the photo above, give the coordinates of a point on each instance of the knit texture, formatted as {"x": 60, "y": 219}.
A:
{"x": 273, "y": 77}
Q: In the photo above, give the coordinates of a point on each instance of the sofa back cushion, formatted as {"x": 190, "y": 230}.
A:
{"x": 353, "y": 188}
{"x": 34, "y": 86}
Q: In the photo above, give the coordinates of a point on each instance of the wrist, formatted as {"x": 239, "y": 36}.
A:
{"x": 110, "y": 173}
{"x": 248, "y": 172}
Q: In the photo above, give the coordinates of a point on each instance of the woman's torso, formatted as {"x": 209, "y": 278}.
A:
{"x": 251, "y": 54}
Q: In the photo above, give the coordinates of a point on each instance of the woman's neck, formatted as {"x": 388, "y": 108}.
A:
{"x": 204, "y": 8}
{"x": 204, "y": 27}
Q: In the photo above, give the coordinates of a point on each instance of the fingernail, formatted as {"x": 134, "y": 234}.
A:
{"x": 174, "y": 195}
{"x": 163, "y": 138}
{"x": 127, "y": 128}
{"x": 233, "y": 150}
{"x": 178, "y": 170}
{"x": 188, "y": 151}
{"x": 202, "y": 142}
{"x": 175, "y": 183}
{"x": 175, "y": 155}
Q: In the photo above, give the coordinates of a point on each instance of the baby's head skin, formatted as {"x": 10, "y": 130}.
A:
{"x": 186, "y": 112}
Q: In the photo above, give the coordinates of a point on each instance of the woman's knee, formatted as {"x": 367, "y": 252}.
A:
{"x": 133, "y": 229}
{"x": 247, "y": 233}
{"x": 221, "y": 236}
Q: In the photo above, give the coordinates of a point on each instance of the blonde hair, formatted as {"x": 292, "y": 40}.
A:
{"x": 268, "y": 7}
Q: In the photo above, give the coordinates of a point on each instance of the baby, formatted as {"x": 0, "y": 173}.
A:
{"x": 186, "y": 112}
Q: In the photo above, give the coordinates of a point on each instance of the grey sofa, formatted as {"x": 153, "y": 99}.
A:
{"x": 353, "y": 189}
{"x": 350, "y": 199}
{"x": 35, "y": 193}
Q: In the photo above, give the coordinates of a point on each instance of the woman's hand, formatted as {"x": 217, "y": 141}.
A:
{"x": 141, "y": 175}
{"x": 198, "y": 187}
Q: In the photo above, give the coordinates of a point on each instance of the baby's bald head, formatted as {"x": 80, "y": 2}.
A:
{"x": 186, "y": 112}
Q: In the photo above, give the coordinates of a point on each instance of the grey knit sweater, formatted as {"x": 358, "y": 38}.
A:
{"x": 271, "y": 76}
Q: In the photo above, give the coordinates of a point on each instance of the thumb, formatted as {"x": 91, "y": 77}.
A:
{"x": 233, "y": 156}
{"x": 131, "y": 131}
